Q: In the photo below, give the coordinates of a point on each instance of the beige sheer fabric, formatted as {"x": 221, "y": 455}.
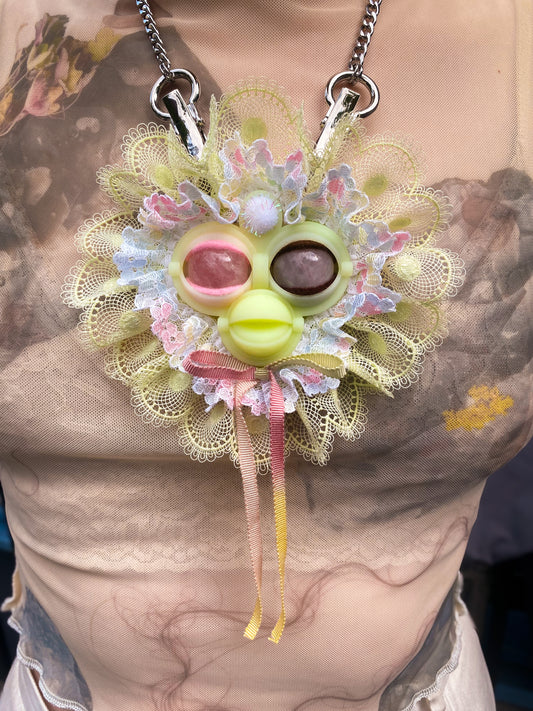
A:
{"x": 467, "y": 685}
{"x": 134, "y": 569}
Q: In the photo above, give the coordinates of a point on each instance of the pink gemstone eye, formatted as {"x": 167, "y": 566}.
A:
{"x": 304, "y": 268}
{"x": 216, "y": 268}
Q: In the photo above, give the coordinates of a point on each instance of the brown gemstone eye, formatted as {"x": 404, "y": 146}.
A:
{"x": 216, "y": 268}
{"x": 304, "y": 268}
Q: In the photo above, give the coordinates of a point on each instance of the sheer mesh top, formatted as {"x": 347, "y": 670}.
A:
{"x": 134, "y": 580}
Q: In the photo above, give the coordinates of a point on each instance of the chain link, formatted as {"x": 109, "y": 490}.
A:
{"x": 155, "y": 38}
{"x": 355, "y": 64}
{"x": 365, "y": 35}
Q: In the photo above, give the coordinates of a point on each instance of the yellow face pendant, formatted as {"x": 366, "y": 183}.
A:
{"x": 260, "y": 286}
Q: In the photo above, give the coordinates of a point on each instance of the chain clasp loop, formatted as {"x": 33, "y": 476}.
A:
{"x": 182, "y": 114}
{"x": 345, "y": 104}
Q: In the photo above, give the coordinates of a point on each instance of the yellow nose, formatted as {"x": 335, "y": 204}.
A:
{"x": 260, "y": 327}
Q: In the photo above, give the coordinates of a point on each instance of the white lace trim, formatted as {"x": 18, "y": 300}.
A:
{"x": 32, "y": 663}
{"x": 452, "y": 663}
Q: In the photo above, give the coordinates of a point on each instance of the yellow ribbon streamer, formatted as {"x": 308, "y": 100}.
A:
{"x": 218, "y": 365}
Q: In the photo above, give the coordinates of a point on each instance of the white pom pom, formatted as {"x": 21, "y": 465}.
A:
{"x": 261, "y": 214}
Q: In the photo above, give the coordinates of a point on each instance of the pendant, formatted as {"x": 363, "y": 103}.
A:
{"x": 250, "y": 287}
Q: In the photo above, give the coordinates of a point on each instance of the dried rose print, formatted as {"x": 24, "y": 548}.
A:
{"x": 49, "y": 74}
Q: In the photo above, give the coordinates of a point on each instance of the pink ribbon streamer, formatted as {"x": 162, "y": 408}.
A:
{"x": 218, "y": 366}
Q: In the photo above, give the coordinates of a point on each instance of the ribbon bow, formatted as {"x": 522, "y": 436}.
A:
{"x": 220, "y": 366}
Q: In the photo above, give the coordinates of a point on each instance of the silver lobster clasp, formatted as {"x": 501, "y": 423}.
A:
{"x": 182, "y": 115}
{"x": 344, "y": 104}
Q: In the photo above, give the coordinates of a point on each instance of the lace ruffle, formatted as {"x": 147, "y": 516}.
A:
{"x": 42, "y": 648}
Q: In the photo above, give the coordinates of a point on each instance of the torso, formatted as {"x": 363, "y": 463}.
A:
{"x": 139, "y": 555}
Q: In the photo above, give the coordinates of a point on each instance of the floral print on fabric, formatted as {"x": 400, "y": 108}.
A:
{"x": 49, "y": 74}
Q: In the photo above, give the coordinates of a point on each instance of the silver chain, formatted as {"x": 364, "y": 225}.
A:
{"x": 365, "y": 35}
{"x": 155, "y": 38}
{"x": 355, "y": 65}
{"x": 186, "y": 121}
